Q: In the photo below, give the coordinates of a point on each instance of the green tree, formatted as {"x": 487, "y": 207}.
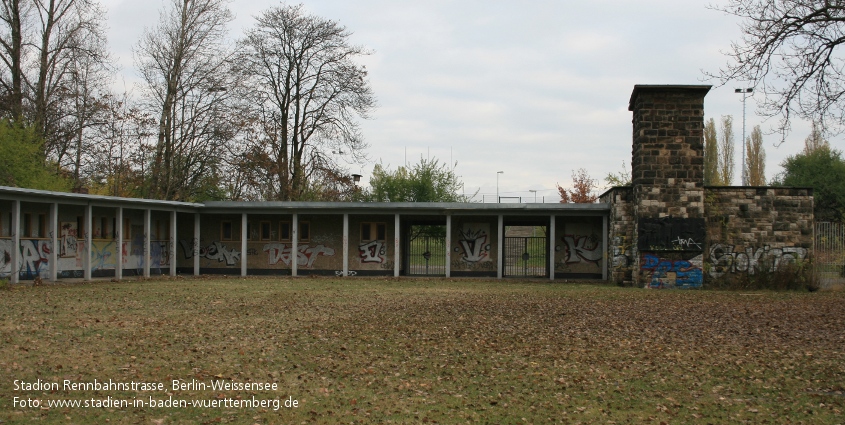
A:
{"x": 427, "y": 181}
{"x": 755, "y": 158}
{"x": 711, "y": 154}
{"x": 22, "y": 161}
{"x": 823, "y": 169}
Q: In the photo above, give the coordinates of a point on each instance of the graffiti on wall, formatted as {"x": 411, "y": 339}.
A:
{"x": 621, "y": 252}
{"x": 305, "y": 256}
{"x": 33, "y": 259}
{"x": 727, "y": 259}
{"x": 67, "y": 240}
{"x": 672, "y": 273}
{"x": 474, "y": 243}
{"x": 582, "y": 248}
{"x": 372, "y": 252}
{"x": 671, "y": 234}
{"x": 214, "y": 252}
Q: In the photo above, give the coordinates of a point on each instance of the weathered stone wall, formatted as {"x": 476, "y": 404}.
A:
{"x": 668, "y": 231}
{"x": 620, "y": 234}
{"x": 753, "y": 230}
{"x": 667, "y": 184}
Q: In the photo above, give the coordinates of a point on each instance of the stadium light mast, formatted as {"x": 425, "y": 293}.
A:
{"x": 745, "y": 95}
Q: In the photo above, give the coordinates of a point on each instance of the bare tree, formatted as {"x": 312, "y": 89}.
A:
{"x": 790, "y": 50}
{"x": 184, "y": 62}
{"x": 306, "y": 92}
{"x": 711, "y": 154}
{"x": 54, "y": 64}
{"x": 755, "y": 158}
{"x": 726, "y": 152}
{"x": 14, "y": 17}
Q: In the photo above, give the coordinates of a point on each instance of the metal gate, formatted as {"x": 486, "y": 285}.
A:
{"x": 427, "y": 251}
{"x": 525, "y": 256}
{"x": 830, "y": 253}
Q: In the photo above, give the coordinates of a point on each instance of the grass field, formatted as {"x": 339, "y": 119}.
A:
{"x": 425, "y": 351}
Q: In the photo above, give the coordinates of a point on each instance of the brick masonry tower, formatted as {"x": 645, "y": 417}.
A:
{"x": 668, "y": 185}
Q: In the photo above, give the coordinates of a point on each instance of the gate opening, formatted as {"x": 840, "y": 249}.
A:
{"x": 426, "y": 248}
{"x": 526, "y": 251}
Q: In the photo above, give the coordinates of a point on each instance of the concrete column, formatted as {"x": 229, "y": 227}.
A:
{"x": 147, "y": 236}
{"x": 118, "y": 268}
{"x": 294, "y": 250}
{"x": 448, "y": 245}
{"x": 500, "y": 249}
{"x": 196, "y": 244}
{"x": 172, "y": 243}
{"x": 605, "y": 249}
{"x": 345, "y": 244}
{"x": 552, "y": 243}
{"x": 397, "y": 257}
{"x": 15, "y": 227}
{"x": 86, "y": 261}
{"x": 54, "y": 242}
{"x": 244, "y": 236}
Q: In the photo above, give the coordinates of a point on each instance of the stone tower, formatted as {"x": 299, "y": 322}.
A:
{"x": 668, "y": 183}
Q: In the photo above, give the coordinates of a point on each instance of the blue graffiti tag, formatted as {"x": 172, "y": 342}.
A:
{"x": 672, "y": 273}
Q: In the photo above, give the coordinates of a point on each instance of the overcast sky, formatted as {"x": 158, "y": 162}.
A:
{"x": 535, "y": 89}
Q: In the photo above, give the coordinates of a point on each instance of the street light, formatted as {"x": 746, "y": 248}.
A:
{"x": 497, "y": 184}
{"x": 535, "y": 194}
{"x": 744, "y": 93}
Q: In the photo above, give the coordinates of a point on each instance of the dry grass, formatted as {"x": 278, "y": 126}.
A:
{"x": 437, "y": 351}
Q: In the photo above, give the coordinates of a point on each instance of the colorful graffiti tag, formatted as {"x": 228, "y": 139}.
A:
{"x": 33, "y": 260}
{"x": 668, "y": 273}
{"x": 305, "y": 256}
{"x": 372, "y": 252}
{"x": 727, "y": 259}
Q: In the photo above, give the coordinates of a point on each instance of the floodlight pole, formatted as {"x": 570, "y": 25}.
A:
{"x": 744, "y": 96}
{"x": 497, "y": 184}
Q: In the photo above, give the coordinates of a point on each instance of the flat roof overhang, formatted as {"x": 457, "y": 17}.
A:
{"x": 277, "y": 207}
{"x": 405, "y": 208}
{"x": 68, "y": 198}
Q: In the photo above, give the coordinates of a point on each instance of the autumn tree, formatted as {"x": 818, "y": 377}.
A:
{"x": 791, "y": 51}
{"x": 187, "y": 86}
{"x": 815, "y": 140}
{"x": 755, "y": 158}
{"x": 726, "y": 152}
{"x": 305, "y": 91}
{"x": 583, "y": 189}
{"x": 711, "y": 154}
{"x": 619, "y": 178}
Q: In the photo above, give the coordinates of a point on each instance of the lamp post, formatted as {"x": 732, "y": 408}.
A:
{"x": 744, "y": 93}
{"x": 535, "y": 194}
{"x": 497, "y": 184}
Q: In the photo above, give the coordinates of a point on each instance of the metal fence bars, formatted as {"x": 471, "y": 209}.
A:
{"x": 426, "y": 250}
{"x": 829, "y": 251}
{"x": 525, "y": 256}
